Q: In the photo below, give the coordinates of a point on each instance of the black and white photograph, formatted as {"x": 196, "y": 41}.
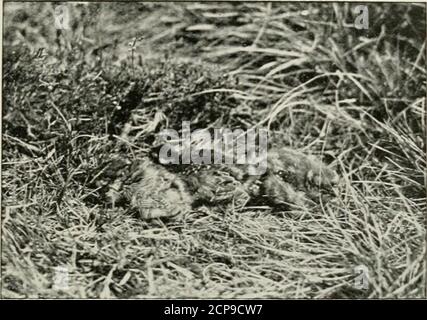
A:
{"x": 213, "y": 150}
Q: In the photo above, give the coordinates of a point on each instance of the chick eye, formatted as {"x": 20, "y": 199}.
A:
{"x": 281, "y": 174}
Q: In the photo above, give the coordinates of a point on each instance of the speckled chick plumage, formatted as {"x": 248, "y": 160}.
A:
{"x": 151, "y": 191}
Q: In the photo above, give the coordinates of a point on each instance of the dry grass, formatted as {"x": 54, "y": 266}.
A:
{"x": 356, "y": 98}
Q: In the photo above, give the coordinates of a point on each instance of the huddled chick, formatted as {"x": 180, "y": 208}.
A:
{"x": 292, "y": 179}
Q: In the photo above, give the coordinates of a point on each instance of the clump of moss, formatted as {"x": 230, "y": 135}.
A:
{"x": 182, "y": 91}
{"x": 84, "y": 98}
